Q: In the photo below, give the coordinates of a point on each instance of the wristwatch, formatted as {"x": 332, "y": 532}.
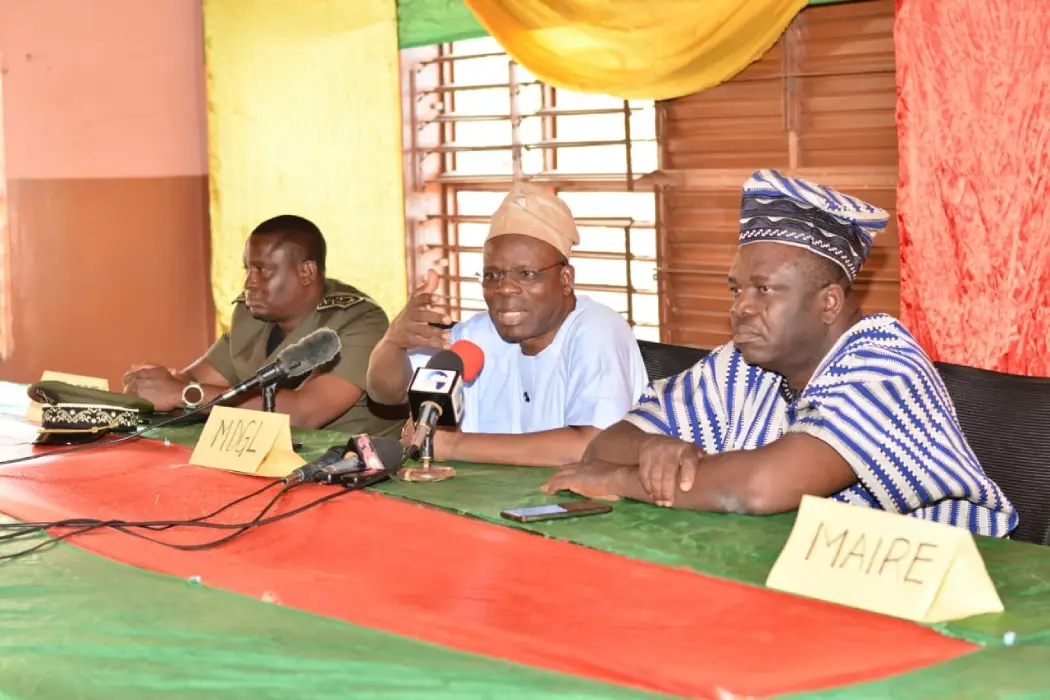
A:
{"x": 192, "y": 389}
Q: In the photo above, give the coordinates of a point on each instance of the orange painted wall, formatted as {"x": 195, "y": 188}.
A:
{"x": 106, "y": 162}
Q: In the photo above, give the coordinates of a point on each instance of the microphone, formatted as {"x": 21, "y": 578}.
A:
{"x": 316, "y": 349}
{"x": 360, "y": 456}
{"x": 436, "y": 392}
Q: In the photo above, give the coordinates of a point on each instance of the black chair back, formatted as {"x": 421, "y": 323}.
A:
{"x": 662, "y": 361}
{"x": 1006, "y": 420}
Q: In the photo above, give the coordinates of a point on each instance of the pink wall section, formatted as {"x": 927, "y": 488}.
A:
{"x": 106, "y": 150}
{"x": 103, "y": 88}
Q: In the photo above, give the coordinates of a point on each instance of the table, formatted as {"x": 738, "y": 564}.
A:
{"x": 80, "y": 625}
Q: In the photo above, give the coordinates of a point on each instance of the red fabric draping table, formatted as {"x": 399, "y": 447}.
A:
{"x": 458, "y": 582}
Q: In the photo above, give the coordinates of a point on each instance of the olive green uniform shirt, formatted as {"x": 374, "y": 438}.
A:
{"x": 360, "y": 323}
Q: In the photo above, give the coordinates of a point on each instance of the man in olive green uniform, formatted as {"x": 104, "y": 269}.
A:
{"x": 286, "y": 297}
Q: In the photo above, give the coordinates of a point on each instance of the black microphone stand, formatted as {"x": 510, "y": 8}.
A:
{"x": 269, "y": 397}
{"x": 426, "y": 450}
{"x": 427, "y": 471}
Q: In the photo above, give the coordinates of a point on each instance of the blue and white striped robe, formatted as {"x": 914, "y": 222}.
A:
{"x": 876, "y": 398}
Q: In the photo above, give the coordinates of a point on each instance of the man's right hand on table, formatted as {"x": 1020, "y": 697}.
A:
{"x": 156, "y": 384}
{"x": 666, "y": 465}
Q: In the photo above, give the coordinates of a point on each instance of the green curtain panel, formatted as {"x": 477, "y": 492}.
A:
{"x": 426, "y": 22}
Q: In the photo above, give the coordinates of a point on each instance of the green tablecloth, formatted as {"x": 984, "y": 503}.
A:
{"x": 80, "y": 626}
{"x": 740, "y": 548}
{"x": 76, "y": 625}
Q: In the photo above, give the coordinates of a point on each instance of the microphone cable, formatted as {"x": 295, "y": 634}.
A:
{"x": 85, "y": 525}
{"x": 161, "y": 525}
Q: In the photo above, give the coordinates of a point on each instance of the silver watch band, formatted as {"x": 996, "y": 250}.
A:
{"x": 189, "y": 389}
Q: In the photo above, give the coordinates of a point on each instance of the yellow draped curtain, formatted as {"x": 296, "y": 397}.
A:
{"x": 635, "y": 49}
{"x": 304, "y": 117}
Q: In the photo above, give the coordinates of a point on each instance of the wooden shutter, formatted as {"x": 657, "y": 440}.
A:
{"x": 820, "y": 105}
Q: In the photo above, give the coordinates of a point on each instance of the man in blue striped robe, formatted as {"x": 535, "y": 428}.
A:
{"x": 810, "y": 398}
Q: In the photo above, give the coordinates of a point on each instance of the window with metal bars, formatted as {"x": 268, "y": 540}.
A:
{"x": 476, "y": 122}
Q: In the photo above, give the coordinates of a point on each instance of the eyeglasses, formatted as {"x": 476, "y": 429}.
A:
{"x": 521, "y": 276}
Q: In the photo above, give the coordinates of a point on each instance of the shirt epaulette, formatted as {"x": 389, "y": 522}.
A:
{"x": 342, "y": 300}
{"x": 338, "y": 300}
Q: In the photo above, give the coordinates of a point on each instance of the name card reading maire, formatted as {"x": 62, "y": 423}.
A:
{"x": 246, "y": 441}
{"x": 886, "y": 563}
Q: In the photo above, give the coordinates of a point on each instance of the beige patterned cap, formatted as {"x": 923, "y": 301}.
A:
{"x": 529, "y": 210}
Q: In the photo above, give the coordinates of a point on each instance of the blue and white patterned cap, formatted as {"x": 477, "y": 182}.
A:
{"x": 779, "y": 209}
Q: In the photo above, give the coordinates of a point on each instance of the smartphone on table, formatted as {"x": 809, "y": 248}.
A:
{"x": 556, "y": 511}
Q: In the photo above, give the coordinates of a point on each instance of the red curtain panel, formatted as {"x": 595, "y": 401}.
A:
{"x": 973, "y": 121}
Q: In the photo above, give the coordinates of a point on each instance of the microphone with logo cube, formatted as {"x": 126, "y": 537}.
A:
{"x": 435, "y": 396}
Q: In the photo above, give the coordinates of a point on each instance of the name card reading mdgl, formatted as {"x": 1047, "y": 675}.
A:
{"x": 250, "y": 442}
{"x": 891, "y": 564}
